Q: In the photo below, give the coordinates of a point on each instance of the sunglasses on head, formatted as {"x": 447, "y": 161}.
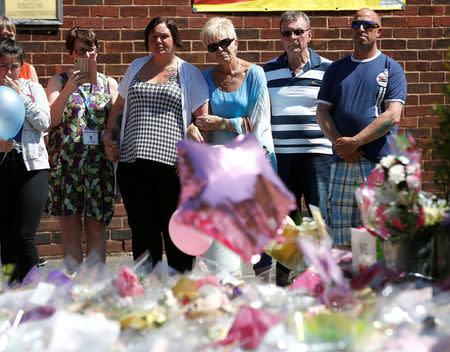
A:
{"x": 224, "y": 43}
{"x": 365, "y": 24}
{"x": 297, "y": 32}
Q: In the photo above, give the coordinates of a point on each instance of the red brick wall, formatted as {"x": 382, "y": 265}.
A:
{"x": 417, "y": 38}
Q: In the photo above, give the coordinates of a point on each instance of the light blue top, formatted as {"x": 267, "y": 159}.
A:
{"x": 250, "y": 100}
{"x": 229, "y": 105}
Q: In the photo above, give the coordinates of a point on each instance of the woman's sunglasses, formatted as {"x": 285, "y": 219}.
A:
{"x": 365, "y": 24}
{"x": 82, "y": 51}
{"x": 224, "y": 43}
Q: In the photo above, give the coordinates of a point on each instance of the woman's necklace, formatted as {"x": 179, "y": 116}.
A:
{"x": 229, "y": 77}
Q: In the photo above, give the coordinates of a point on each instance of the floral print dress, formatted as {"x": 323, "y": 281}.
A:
{"x": 81, "y": 179}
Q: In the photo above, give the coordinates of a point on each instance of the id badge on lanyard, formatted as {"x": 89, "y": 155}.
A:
{"x": 90, "y": 136}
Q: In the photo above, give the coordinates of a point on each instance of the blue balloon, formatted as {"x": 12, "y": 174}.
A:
{"x": 12, "y": 112}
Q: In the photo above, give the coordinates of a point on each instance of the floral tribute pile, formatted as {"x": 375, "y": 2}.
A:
{"x": 135, "y": 309}
{"x": 207, "y": 309}
{"x": 414, "y": 226}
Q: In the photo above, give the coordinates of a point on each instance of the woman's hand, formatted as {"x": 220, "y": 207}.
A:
{"x": 59, "y": 96}
{"x": 111, "y": 145}
{"x": 208, "y": 122}
{"x": 76, "y": 79}
{"x": 6, "y": 146}
{"x": 194, "y": 133}
{"x": 13, "y": 84}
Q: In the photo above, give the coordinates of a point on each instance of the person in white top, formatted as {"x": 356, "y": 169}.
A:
{"x": 158, "y": 97}
{"x": 23, "y": 167}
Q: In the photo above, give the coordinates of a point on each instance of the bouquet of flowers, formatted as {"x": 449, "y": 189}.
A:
{"x": 388, "y": 200}
{"x": 413, "y": 224}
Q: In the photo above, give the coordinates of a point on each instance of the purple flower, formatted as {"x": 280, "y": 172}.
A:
{"x": 321, "y": 259}
{"x": 237, "y": 291}
{"x": 336, "y": 292}
{"x": 38, "y": 313}
{"x": 58, "y": 278}
{"x": 446, "y": 222}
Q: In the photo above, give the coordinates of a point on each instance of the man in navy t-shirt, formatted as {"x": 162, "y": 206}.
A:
{"x": 359, "y": 106}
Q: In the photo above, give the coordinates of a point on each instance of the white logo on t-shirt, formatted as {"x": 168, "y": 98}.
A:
{"x": 382, "y": 78}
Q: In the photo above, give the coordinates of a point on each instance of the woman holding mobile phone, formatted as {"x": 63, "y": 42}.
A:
{"x": 81, "y": 178}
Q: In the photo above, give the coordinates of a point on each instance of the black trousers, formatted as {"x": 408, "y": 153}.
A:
{"x": 150, "y": 192}
{"x": 23, "y": 195}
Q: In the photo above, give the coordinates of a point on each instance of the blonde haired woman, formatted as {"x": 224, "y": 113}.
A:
{"x": 239, "y": 102}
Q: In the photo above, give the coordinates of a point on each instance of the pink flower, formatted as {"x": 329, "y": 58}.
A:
{"x": 128, "y": 283}
{"x": 321, "y": 259}
{"x": 209, "y": 280}
{"x": 421, "y": 217}
{"x": 310, "y": 281}
{"x": 398, "y": 225}
{"x": 249, "y": 327}
{"x": 413, "y": 182}
{"x": 376, "y": 178}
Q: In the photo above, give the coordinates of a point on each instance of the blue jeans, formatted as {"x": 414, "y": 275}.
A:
{"x": 307, "y": 175}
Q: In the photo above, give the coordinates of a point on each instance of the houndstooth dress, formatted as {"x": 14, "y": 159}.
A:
{"x": 154, "y": 123}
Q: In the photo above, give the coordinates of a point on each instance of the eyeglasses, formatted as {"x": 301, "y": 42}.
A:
{"x": 365, "y": 24}
{"x": 224, "y": 43}
{"x": 297, "y": 32}
{"x": 82, "y": 51}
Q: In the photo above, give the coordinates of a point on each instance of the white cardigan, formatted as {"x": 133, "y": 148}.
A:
{"x": 37, "y": 120}
{"x": 195, "y": 91}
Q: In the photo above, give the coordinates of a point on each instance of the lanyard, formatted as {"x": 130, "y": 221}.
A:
{"x": 87, "y": 102}
{"x": 87, "y": 111}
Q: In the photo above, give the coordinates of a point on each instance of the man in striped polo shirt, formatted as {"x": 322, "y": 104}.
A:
{"x": 303, "y": 152}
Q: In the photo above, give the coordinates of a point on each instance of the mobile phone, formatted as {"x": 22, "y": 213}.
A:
{"x": 87, "y": 65}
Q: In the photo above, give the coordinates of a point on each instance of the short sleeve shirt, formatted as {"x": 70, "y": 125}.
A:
{"x": 357, "y": 90}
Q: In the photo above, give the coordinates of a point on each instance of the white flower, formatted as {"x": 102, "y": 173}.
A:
{"x": 403, "y": 159}
{"x": 397, "y": 174}
{"x": 434, "y": 215}
{"x": 411, "y": 169}
{"x": 388, "y": 161}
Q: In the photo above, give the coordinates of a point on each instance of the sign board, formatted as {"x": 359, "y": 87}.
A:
{"x": 33, "y": 11}
{"x": 303, "y": 5}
